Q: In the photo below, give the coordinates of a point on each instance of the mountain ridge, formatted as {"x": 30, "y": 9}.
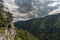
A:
{"x": 48, "y": 25}
{"x": 41, "y": 18}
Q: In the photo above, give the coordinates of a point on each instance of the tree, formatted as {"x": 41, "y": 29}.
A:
{"x": 9, "y": 17}
{"x": 2, "y": 20}
{"x": 5, "y": 16}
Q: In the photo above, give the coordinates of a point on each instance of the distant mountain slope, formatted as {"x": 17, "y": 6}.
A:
{"x": 47, "y": 28}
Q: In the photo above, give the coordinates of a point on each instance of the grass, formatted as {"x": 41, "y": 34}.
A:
{"x": 1, "y": 29}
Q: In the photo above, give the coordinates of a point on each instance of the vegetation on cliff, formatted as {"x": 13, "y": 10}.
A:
{"x": 6, "y": 28}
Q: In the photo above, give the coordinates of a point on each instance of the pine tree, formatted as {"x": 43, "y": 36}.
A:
{"x": 2, "y": 20}
{"x": 5, "y": 16}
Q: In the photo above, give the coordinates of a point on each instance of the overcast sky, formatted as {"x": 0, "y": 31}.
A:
{"x": 24, "y": 10}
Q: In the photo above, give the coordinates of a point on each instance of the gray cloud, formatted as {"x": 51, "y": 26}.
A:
{"x": 24, "y": 5}
{"x": 27, "y": 9}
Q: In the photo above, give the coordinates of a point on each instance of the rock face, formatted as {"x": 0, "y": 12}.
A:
{"x": 2, "y": 37}
{"x": 9, "y": 33}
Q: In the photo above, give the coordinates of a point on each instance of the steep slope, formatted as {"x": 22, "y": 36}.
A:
{"x": 47, "y": 28}
{"x": 24, "y": 35}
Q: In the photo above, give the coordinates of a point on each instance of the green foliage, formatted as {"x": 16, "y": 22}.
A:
{"x": 1, "y": 6}
{"x": 2, "y": 20}
{"x": 47, "y": 28}
{"x": 5, "y": 17}
{"x": 24, "y": 35}
{"x": 1, "y": 29}
{"x": 9, "y": 17}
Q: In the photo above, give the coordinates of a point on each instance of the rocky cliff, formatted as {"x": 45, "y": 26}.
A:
{"x": 8, "y": 33}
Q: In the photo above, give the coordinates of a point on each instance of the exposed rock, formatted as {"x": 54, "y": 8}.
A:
{"x": 9, "y": 33}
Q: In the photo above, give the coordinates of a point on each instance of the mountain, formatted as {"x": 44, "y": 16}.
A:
{"x": 24, "y": 35}
{"x": 47, "y": 28}
{"x": 28, "y": 9}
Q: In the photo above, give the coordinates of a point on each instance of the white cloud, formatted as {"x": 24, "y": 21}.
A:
{"x": 55, "y": 11}
{"x": 54, "y": 4}
{"x": 40, "y": 9}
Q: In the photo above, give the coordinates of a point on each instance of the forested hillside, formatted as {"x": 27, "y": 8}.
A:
{"x": 47, "y": 28}
{"x": 25, "y": 35}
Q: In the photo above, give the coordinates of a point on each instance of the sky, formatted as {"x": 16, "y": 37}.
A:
{"x": 23, "y": 10}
